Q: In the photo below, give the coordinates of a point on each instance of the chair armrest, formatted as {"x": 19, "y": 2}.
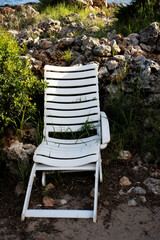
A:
{"x": 105, "y": 131}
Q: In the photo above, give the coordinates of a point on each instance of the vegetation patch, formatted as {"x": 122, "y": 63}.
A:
{"x": 19, "y": 87}
{"x": 136, "y": 16}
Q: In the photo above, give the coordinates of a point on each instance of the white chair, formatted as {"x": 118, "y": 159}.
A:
{"x": 71, "y": 103}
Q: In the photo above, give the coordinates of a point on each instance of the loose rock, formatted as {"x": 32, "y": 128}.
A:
{"x": 124, "y": 156}
{"x": 92, "y": 193}
{"x": 48, "y": 202}
{"x": 49, "y": 187}
{"x": 153, "y": 185}
{"x": 124, "y": 181}
{"x": 132, "y": 203}
{"x": 63, "y": 201}
{"x": 143, "y": 199}
{"x": 139, "y": 191}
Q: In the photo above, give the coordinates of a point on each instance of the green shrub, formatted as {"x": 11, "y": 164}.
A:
{"x": 60, "y": 10}
{"x": 19, "y": 87}
{"x": 136, "y": 16}
{"x": 50, "y": 2}
{"x": 134, "y": 126}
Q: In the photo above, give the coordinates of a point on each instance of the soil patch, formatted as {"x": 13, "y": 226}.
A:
{"x": 116, "y": 220}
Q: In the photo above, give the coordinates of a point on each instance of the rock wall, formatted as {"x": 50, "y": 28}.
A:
{"x": 133, "y": 60}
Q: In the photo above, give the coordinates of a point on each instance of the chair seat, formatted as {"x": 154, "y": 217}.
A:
{"x": 65, "y": 155}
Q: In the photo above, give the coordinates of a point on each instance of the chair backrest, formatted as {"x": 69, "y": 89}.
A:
{"x": 71, "y": 98}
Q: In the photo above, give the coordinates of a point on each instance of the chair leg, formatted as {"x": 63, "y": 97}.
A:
{"x": 28, "y": 193}
{"x": 96, "y": 192}
{"x": 100, "y": 171}
{"x": 43, "y": 179}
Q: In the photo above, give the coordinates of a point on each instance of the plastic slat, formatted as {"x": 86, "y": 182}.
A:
{"x": 87, "y": 167}
{"x": 71, "y": 68}
{"x": 51, "y": 213}
{"x": 65, "y": 163}
{"x": 71, "y": 83}
{"x": 78, "y": 113}
{"x": 73, "y": 99}
{"x": 71, "y": 91}
{"x": 72, "y": 120}
{"x": 71, "y": 106}
{"x": 70, "y": 152}
{"x": 67, "y": 128}
{"x": 93, "y": 139}
{"x": 71, "y": 75}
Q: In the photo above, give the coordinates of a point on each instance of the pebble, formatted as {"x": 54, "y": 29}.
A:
{"x": 140, "y": 163}
{"x": 155, "y": 174}
{"x": 121, "y": 192}
{"x": 130, "y": 190}
{"x": 143, "y": 199}
{"x": 153, "y": 185}
{"x": 49, "y": 186}
{"x": 139, "y": 191}
{"x": 92, "y": 193}
{"x": 63, "y": 201}
{"x": 124, "y": 156}
{"x": 135, "y": 168}
{"x": 48, "y": 202}
{"x": 124, "y": 181}
{"x": 19, "y": 189}
{"x": 132, "y": 203}
{"x": 106, "y": 203}
{"x": 145, "y": 168}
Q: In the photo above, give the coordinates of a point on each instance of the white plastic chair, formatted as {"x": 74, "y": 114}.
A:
{"x": 71, "y": 102}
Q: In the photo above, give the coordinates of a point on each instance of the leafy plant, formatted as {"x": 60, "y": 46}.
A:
{"x": 134, "y": 126}
{"x": 24, "y": 172}
{"x": 19, "y": 87}
{"x": 67, "y": 56}
{"x": 136, "y": 16}
{"x": 60, "y": 10}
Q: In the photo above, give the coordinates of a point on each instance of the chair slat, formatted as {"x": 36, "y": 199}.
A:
{"x": 58, "y": 152}
{"x": 70, "y": 128}
{"x": 73, "y": 113}
{"x": 71, "y": 83}
{"x": 93, "y": 139}
{"x": 66, "y": 163}
{"x": 66, "y": 121}
{"x": 61, "y": 213}
{"x": 71, "y": 99}
{"x": 70, "y": 106}
{"x": 71, "y": 68}
{"x": 71, "y": 91}
{"x": 70, "y": 75}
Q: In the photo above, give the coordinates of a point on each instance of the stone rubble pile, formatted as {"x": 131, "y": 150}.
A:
{"x": 133, "y": 60}
{"x": 19, "y": 157}
{"x": 139, "y": 189}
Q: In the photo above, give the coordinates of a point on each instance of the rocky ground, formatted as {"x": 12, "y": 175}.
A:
{"x": 129, "y": 205}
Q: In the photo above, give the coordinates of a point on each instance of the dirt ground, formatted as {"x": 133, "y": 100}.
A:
{"x": 116, "y": 220}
